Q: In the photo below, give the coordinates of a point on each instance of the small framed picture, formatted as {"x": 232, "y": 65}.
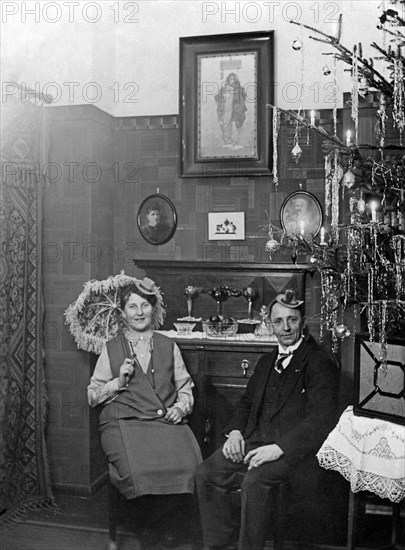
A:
{"x": 157, "y": 219}
{"x": 301, "y": 213}
{"x": 228, "y": 226}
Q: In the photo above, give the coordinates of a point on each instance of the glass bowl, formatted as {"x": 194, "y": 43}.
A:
{"x": 184, "y": 328}
{"x": 219, "y": 329}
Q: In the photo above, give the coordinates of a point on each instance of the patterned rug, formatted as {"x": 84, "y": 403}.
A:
{"x": 24, "y": 473}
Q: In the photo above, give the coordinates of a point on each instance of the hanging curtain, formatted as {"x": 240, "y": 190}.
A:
{"x": 24, "y": 472}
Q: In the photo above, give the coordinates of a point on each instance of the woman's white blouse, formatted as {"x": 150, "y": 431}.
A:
{"x": 103, "y": 388}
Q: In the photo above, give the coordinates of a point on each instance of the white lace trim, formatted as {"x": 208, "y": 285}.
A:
{"x": 384, "y": 487}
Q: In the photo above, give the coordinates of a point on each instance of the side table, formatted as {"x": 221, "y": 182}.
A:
{"x": 370, "y": 454}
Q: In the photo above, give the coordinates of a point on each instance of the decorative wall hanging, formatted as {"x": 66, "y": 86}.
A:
{"x": 301, "y": 214}
{"x": 225, "y": 83}
{"x": 157, "y": 219}
{"x": 226, "y": 226}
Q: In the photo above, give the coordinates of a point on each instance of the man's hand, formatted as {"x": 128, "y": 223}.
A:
{"x": 261, "y": 455}
{"x": 234, "y": 446}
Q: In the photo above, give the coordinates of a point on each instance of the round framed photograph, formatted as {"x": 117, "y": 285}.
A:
{"x": 301, "y": 213}
{"x": 157, "y": 219}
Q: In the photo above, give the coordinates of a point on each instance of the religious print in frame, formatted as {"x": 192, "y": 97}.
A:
{"x": 226, "y": 83}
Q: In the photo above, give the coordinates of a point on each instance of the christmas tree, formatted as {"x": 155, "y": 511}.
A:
{"x": 361, "y": 252}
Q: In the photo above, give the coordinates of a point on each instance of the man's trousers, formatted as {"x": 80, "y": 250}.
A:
{"x": 216, "y": 478}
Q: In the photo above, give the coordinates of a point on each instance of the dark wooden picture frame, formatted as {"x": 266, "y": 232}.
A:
{"x": 157, "y": 219}
{"x": 226, "y": 81}
{"x": 301, "y": 213}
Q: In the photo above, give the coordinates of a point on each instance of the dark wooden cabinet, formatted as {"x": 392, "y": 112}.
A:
{"x": 220, "y": 371}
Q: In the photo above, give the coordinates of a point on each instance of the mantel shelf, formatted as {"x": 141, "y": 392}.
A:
{"x": 222, "y": 266}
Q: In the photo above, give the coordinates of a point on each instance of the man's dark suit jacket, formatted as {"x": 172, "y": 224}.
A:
{"x": 305, "y": 410}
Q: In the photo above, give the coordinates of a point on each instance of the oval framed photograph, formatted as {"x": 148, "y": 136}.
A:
{"x": 301, "y": 213}
{"x": 157, "y": 219}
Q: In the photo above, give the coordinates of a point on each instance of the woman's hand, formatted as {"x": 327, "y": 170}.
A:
{"x": 174, "y": 415}
{"x": 126, "y": 371}
{"x": 234, "y": 446}
{"x": 261, "y": 455}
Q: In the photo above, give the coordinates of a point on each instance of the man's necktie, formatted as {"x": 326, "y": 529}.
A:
{"x": 278, "y": 365}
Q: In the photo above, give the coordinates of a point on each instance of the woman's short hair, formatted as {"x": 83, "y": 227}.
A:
{"x": 131, "y": 288}
{"x": 153, "y": 206}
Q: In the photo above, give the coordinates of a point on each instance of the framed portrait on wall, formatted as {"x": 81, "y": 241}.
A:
{"x": 157, "y": 219}
{"x": 301, "y": 213}
{"x": 226, "y": 81}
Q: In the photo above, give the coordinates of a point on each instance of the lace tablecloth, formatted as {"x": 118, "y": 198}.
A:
{"x": 369, "y": 453}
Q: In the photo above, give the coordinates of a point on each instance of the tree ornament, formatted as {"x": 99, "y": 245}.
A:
{"x": 296, "y": 152}
{"x": 297, "y": 45}
{"x": 341, "y": 331}
{"x": 361, "y": 205}
{"x": 326, "y": 71}
{"x": 349, "y": 179}
{"x": 272, "y": 246}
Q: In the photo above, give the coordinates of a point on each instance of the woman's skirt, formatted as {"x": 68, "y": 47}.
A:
{"x": 150, "y": 457}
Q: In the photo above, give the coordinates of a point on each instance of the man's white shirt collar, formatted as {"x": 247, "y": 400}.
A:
{"x": 290, "y": 349}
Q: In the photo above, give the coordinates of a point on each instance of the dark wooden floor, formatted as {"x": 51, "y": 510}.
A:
{"x": 82, "y": 523}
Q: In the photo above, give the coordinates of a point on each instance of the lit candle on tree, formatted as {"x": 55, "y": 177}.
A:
{"x": 348, "y": 138}
{"x": 312, "y": 118}
{"x": 302, "y": 230}
{"x": 322, "y": 243}
{"x": 373, "y": 207}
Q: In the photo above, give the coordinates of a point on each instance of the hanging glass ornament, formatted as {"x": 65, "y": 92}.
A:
{"x": 349, "y": 179}
{"x": 361, "y": 205}
{"x": 297, "y": 45}
{"x": 341, "y": 331}
{"x": 271, "y": 245}
{"x": 296, "y": 152}
{"x": 326, "y": 71}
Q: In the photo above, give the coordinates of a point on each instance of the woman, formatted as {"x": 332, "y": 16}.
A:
{"x": 145, "y": 391}
{"x": 156, "y": 229}
{"x": 231, "y": 110}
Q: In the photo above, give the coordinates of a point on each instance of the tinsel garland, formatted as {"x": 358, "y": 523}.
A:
{"x": 337, "y": 173}
{"x": 335, "y": 84}
{"x": 383, "y": 317}
{"x": 328, "y": 184}
{"x": 355, "y": 95}
{"x": 398, "y": 108}
{"x": 276, "y": 128}
{"x": 398, "y": 245}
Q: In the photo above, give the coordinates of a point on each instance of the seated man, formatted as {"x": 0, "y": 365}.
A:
{"x": 286, "y": 413}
